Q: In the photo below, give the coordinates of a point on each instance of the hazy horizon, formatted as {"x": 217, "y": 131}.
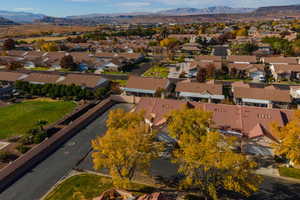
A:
{"x": 62, "y": 8}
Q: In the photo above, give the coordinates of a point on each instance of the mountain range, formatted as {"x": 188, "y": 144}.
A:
{"x": 174, "y": 12}
{"x": 186, "y": 14}
{"x": 21, "y": 17}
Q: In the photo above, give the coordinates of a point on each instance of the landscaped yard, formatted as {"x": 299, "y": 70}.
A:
{"x": 85, "y": 186}
{"x": 17, "y": 119}
{"x": 289, "y": 172}
{"x": 157, "y": 72}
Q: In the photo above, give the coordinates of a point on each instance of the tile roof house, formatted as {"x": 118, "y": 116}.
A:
{"x": 281, "y": 60}
{"x": 141, "y": 86}
{"x": 242, "y": 121}
{"x": 11, "y": 76}
{"x": 207, "y": 58}
{"x": 242, "y": 59}
{"x": 86, "y": 81}
{"x": 52, "y": 59}
{"x": 263, "y": 97}
{"x": 43, "y": 78}
{"x": 285, "y": 72}
{"x": 253, "y": 71}
{"x": 199, "y": 91}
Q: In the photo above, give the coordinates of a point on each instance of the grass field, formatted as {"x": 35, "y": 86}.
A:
{"x": 17, "y": 119}
{"x": 47, "y": 39}
{"x": 86, "y": 186}
{"x": 289, "y": 172}
{"x": 157, "y": 72}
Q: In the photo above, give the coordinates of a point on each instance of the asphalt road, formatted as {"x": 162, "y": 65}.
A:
{"x": 36, "y": 183}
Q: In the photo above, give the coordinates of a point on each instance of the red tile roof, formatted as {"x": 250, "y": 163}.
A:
{"x": 250, "y": 121}
{"x": 146, "y": 83}
{"x": 195, "y": 87}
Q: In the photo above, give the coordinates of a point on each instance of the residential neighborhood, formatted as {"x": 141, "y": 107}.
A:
{"x": 179, "y": 104}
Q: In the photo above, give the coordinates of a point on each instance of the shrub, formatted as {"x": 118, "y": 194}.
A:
{"x": 6, "y": 156}
{"x": 22, "y": 148}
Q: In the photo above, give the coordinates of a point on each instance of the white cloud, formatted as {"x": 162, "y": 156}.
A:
{"x": 24, "y": 9}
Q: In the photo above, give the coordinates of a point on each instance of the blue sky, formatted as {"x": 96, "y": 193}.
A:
{"x": 75, "y": 7}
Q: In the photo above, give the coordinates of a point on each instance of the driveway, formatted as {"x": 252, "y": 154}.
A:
{"x": 34, "y": 184}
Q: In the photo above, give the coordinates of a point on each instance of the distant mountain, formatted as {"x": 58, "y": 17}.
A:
{"x": 4, "y": 21}
{"x": 278, "y": 9}
{"x": 108, "y": 15}
{"x": 209, "y": 10}
{"x": 21, "y": 17}
{"x": 173, "y": 12}
{"x": 180, "y": 15}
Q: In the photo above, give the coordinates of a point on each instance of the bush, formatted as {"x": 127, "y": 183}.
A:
{"x": 6, "y": 156}
{"x": 22, "y": 148}
{"x": 289, "y": 172}
{"x": 39, "y": 137}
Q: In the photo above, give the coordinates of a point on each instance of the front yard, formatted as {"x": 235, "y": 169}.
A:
{"x": 86, "y": 186}
{"x": 157, "y": 72}
{"x": 19, "y": 118}
{"x": 289, "y": 172}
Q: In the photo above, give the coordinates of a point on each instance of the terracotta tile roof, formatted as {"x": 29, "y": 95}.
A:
{"x": 90, "y": 81}
{"x": 195, "y": 87}
{"x": 281, "y": 60}
{"x": 16, "y": 53}
{"x": 250, "y": 121}
{"x": 207, "y": 58}
{"x": 246, "y": 67}
{"x": 263, "y": 94}
{"x": 42, "y": 78}
{"x": 217, "y": 65}
{"x": 10, "y": 76}
{"x": 250, "y": 59}
{"x": 146, "y": 83}
{"x": 286, "y": 68}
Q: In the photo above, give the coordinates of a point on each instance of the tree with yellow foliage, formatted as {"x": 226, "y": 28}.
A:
{"x": 242, "y": 32}
{"x": 127, "y": 147}
{"x": 169, "y": 44}
{"x": 207, "y": 159}
{"x": 211, "y": 165}
{"x": 46, "y": 46}
{"x": 288, "y": 144}
{"x": 188, "y": 121}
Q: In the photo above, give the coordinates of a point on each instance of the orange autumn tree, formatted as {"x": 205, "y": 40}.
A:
{"x": 288, "y": 137}
{"x": 127, "y": 147}
{"x": 208, "y": 159}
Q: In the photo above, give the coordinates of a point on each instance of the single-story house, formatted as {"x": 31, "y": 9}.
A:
{"x": 242, "y": 59}
{"x": 269, "y": 96}
{"x": 285, "y": 72}
{"x": 141, "y": 86}
{"x": 281, "y": 60}
{"x": 85, "y": 81}
{"x": 249, "y": 123}
{"x": 200, "y": 91}
{"x": 43, "y": 78}
{"x": 253, "y": 71}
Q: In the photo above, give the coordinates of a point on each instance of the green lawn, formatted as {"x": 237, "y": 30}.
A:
{"x": 157, "y": 72}
{"x": 17, "y": 119}
{"x": 289, "y": 172}
{"x": 87, "y": 186}
{"x": 114, "y": 73}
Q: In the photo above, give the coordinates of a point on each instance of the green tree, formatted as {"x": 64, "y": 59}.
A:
{"x": 9, "y": 44}
{"x": 67, "y": 62}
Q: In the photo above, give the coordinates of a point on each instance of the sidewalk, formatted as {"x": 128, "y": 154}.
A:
{"x": 274, "y": 172}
